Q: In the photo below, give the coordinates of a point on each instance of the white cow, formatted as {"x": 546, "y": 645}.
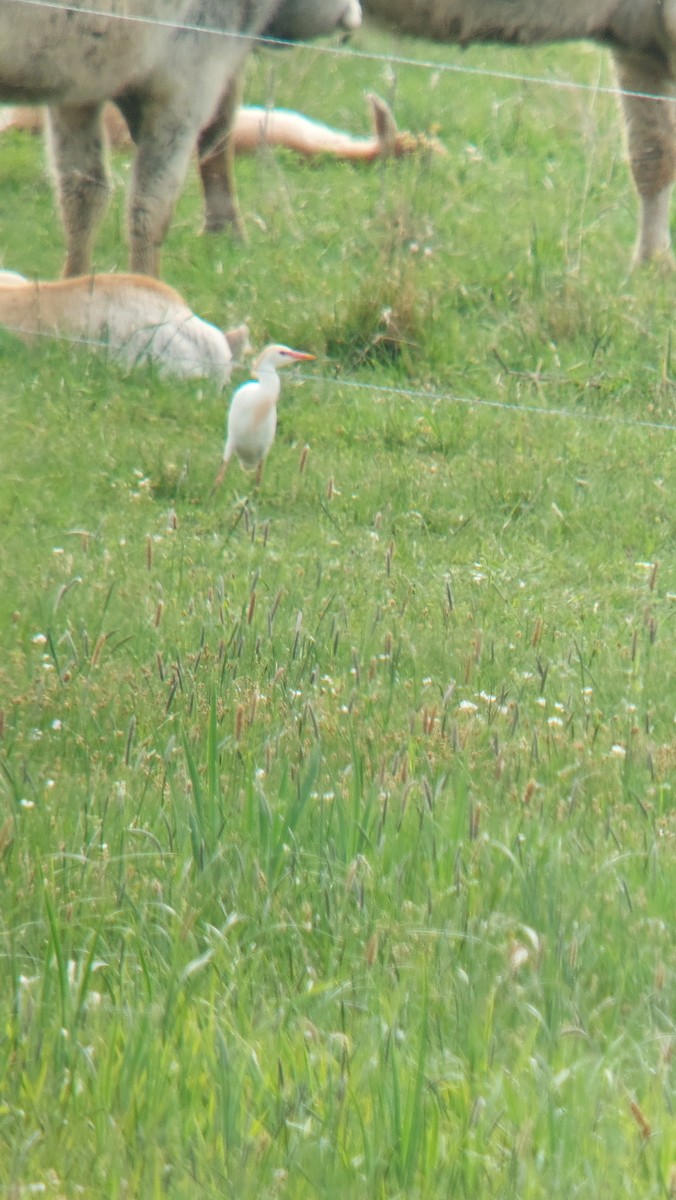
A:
{"x": 641, "y": 35}
{"x": 134, "y": 319}
{"x": 167, "y": 64}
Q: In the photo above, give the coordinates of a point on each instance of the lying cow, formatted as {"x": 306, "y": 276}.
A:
{"x": 134, "y": 319}
{"x": 170, "y": 65}
{"x": 254, "y": 128}
{"x": 641, "y": 35}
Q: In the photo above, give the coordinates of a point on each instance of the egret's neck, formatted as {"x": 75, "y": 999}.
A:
{"x": 270, "y": 382}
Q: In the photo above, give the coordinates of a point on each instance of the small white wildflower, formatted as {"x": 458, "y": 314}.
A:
{"x": 27, "y": 803}
{"x": 57, "y": 724}
{"x": 618, "y": 751}
{"x": 39, "y": 639}
{"x": 468, "y": 706}
{"x": 518, "y": 954}
{"x": 554, "y": 721}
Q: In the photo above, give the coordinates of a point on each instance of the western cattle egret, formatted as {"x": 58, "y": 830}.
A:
{"x": 252, "y": 419}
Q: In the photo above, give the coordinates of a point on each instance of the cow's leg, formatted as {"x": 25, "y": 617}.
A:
{"x": 651, "y": 135}
{"x": 165, "y": 143}
{"x": 215, "y": 147}
{"x": 77, "y": 148}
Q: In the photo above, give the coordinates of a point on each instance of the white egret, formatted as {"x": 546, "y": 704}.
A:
{"x": 252, "y": 419}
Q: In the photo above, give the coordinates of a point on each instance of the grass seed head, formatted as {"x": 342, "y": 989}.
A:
{"x": 641, "y": 1120}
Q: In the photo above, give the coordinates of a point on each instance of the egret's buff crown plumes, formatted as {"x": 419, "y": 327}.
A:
{"x": 252, "y": 419}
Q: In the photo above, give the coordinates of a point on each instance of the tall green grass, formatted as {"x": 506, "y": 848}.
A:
{"x": 337, "y": 827}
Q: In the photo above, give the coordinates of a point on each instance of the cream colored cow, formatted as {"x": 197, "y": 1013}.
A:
{"x": 170, "y": 65}
{"x": 641, "y": 35}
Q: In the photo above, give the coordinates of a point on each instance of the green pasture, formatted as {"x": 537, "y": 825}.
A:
{"x": 337, "y": 838}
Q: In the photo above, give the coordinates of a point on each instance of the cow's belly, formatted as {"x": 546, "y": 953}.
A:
{"x": 72, "y": 58}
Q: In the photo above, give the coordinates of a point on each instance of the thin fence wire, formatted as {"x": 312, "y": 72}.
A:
{"x": 502, "y": 405}
{"x": 348, "y": 51}
{"x": 389, "y": 60}
{"x": 410, "y": 394}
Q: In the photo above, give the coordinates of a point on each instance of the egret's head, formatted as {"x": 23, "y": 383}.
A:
{"x": 276, "y": 356}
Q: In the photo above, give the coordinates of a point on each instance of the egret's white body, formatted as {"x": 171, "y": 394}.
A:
{"x": 252, "y": 419}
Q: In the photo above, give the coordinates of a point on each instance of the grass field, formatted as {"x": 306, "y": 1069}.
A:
{"x": 337, "y": 819}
